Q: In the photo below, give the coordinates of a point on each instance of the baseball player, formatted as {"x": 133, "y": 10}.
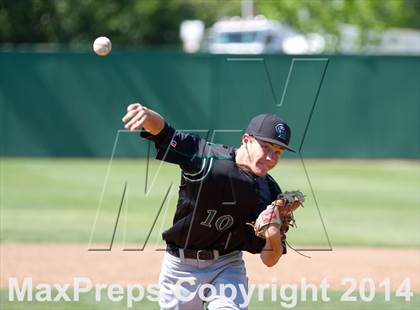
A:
{"x": 223, "y": 190}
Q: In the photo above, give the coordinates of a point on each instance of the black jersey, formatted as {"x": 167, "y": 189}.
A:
{"x": 216, "y": 197}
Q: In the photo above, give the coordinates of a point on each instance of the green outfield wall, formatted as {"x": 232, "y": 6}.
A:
{"x": 71, "y": 103}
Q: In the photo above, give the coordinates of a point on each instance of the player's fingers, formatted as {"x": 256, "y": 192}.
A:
{"x": 138, "y": 115}
{"x": 138, "y": 124}
{"x": 129, "y": 115}
{"x": 133, "y": 106}
{"x": 135, "y": 110}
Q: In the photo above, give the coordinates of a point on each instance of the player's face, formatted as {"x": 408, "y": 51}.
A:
{"x": 263, "y": 156}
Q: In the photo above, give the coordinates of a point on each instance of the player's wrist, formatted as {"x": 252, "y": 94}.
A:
{"x": 272, "y": 231}
{"x": 154, "y": 123}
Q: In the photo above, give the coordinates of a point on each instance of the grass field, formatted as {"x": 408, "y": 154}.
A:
{"x": 56, "y": 200}
{"x": 87, "y": 302}
{"x": 367, "y": 203}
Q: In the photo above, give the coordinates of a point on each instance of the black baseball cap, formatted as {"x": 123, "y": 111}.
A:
{"x": 270, "y": 128}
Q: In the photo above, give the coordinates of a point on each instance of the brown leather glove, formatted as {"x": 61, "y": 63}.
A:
{"x": 279, "y": 212}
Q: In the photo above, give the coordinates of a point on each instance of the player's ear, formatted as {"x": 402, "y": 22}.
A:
{"x": 246, "y": 138}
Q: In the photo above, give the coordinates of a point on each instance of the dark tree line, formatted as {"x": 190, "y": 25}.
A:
{"x": 156, "y": 22}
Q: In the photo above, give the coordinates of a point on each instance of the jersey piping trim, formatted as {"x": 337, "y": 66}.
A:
{"x": 203, "y": 165}
{"x": 168, "y": 147}
{"x": 203, "y": 177}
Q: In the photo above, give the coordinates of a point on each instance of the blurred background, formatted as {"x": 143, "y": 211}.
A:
{"x": 173, "y": 55}
{"x": 216, "y": 26}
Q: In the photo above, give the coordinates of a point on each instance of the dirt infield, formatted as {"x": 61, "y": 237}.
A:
{"x": 58, "y": 263}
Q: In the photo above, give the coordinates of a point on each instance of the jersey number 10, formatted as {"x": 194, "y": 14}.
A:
{"x": 222, "y": 223}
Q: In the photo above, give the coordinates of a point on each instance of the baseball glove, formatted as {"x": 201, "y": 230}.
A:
{"x": 280, "y": 213}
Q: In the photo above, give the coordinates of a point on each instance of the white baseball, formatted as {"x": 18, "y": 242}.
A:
{"x": 102, "y": 46}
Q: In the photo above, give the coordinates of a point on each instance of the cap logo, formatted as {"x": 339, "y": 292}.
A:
{"x": 281, "y": 131}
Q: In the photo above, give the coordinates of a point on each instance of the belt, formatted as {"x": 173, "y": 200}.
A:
{"x": 196, "y": 254}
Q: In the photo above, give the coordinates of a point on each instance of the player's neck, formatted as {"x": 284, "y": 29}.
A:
{"x": 242, "y": 159}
